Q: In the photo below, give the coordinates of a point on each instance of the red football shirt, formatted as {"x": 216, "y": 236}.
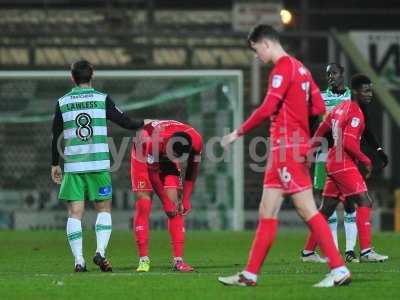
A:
{"x": 155, "y": 137}
{"x": 291, "y": 98}
{"x": 347, "y": 124}
{"x": 158, "y": 133}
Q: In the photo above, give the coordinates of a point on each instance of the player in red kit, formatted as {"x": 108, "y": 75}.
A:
{"x": 345, "y": 182}
{"x": 291, "y": 98}
{"x": 156, "y": 166}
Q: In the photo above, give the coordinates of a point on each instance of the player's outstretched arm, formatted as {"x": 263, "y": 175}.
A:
{"x": 261, "y": 114}
{"x": 279, "y": 82}
{"x": 148, "y": 121}
{"x": 322, "y": 130}
{"x": 115, "y": 115}
{"x": 229, "y": 139}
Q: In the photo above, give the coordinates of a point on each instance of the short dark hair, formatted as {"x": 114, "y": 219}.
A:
{"x": 358, "y": 80}
{"x": 182, "y": 143}
{"x": 262, "y": 31}
{"x": 82, "y": 71}
{"x": 340, "y": 67}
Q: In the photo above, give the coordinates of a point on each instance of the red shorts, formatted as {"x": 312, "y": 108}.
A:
{"x": 287, "y": 173}
{"x": 344, "y": 183}
{"x": 170, "y": 174}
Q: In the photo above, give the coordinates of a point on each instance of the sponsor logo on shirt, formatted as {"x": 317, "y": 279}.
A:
{"x": 105, "y": 191}
{"x": 355, "y": 122}
{"x": 277, "y": 81}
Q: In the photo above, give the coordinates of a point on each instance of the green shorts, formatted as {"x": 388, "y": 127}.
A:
{"x": 86, "y": 186}
{"x": 319, "y": 175}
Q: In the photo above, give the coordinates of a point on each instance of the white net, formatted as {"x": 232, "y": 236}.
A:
{"x": 208, "y": 100}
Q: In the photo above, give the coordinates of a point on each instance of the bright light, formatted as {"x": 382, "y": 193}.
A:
{"x": 286, "y": 16}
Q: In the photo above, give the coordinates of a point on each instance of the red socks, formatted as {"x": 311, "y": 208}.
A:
{"x": 323, "y": 235}
{"x": 364, "y": 227}
{"x": 176, "y": 229}
{"x": 311, "y": 243}
{"x": 265, "y": 236}
{"x": 141, "y": 225}
{"x": 141, "y": 229}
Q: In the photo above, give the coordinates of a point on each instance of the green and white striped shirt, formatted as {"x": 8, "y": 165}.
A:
{"x": 85, "y": 130}
{"x": 81, "y": 117}
{"x": 331, "y": 99}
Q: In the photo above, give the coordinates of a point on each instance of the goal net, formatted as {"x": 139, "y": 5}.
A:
{"x": 209, "y": 100}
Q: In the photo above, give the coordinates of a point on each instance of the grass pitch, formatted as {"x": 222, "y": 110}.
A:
{"x": 38, "y": 265}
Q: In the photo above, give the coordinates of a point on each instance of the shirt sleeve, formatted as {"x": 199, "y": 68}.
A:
{"x": 115, "y": 115}
{"x": 351, "y": 138}
{"x": 323, "y": 128}
{"x": 317, "y": 106}
{"x": 57, "y": 130}
{"x": 278, "y": 85}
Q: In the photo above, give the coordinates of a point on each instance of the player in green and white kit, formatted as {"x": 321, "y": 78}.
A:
{"x": 81, "y": 115}
{"x": 335, "y": 94}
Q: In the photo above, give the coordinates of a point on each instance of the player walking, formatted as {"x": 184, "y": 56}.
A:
{"x": 336, "y": 93}
{"x": 81, "y": 115}
{"x": 345, "y": 182}
{"x": 155, "y": 165}
{"x": 291, "y": 98}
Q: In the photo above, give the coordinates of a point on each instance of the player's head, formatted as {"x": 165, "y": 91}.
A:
{"x": 181, "y": 143}
{"x": 263, "y": 39}
{"x": 361, "y": 88}
{"x": 82, "y": 72}
{"x": 334, "y": 75}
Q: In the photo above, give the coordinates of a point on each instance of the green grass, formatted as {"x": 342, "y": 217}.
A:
{"x": 38, "y": 265}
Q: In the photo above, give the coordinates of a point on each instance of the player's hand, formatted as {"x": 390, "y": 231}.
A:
{"x": 170, "y": 208}
{"x": 148, "y": 121}
{"x": 187, "y": 208}
{"x": 56, "y": 174}
{"x": 229, "y": 138}
{"x": 384, "y": 158}
{"x": 369, "y": 171}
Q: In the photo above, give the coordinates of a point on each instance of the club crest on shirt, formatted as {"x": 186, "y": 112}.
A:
{"x": 277, "y": 81}
{"x": 355, "y": 122}
{"x": 150, "y": 159}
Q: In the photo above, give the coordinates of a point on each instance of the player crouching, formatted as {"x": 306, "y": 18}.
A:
{"x": 156, "y": 165}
